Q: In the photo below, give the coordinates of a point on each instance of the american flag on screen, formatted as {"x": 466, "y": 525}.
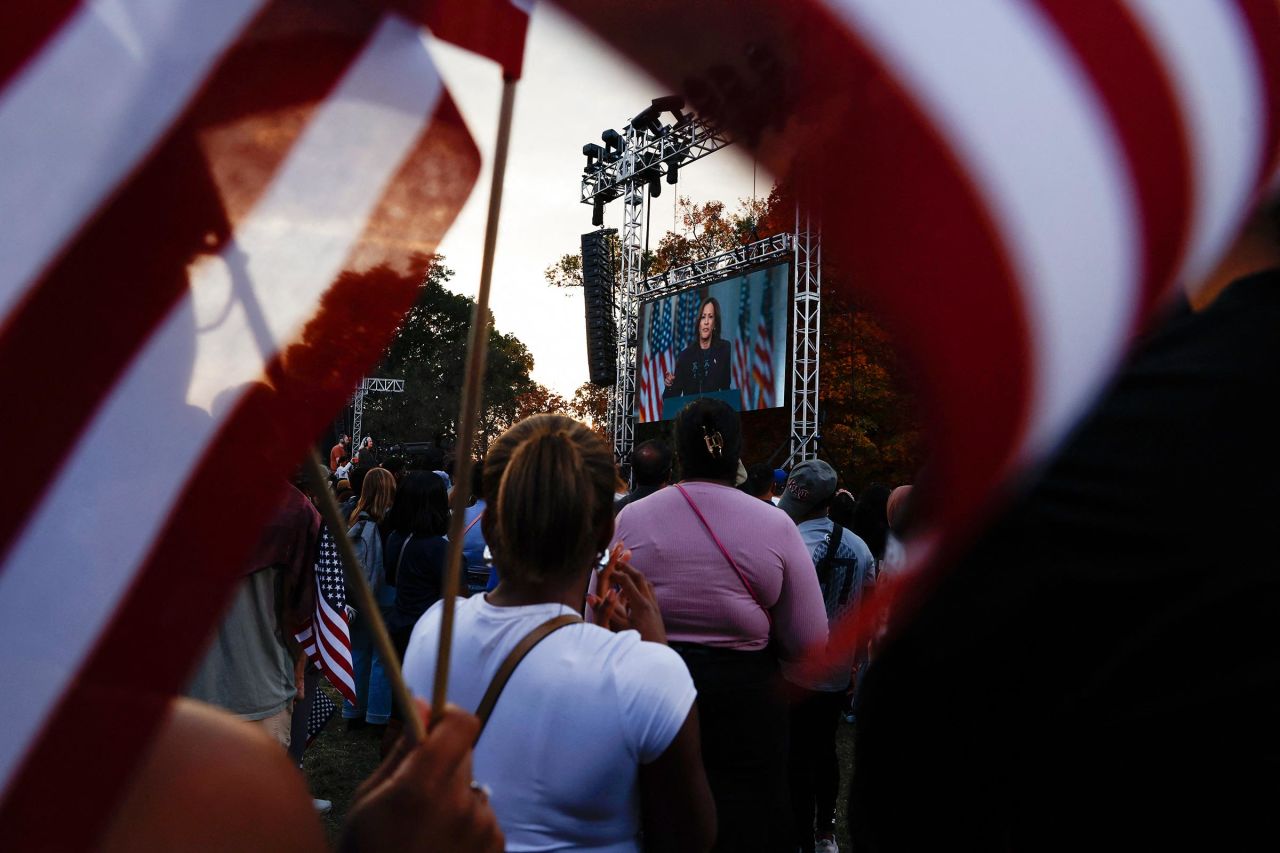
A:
{"x": 742, "y": 346}
{"x": 326, "y": 639}
{"x": 195, "y": 195}
{"x": 762, "y": 352}
{"x": 658, "y": 361}
{"x": 687, "y": 327}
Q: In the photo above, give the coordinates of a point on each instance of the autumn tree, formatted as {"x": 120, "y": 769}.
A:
{"x": 539, "y": 400}
{"x": 590, "y": 404}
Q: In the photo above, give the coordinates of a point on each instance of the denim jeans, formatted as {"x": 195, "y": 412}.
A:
{"x": 373, "y": 688}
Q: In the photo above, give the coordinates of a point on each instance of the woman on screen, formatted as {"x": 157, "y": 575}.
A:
{"x": 705, "y": 364}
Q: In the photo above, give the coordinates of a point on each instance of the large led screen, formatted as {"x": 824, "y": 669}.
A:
{"x": 727, "y": 340}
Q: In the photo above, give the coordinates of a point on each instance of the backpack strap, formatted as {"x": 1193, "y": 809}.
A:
{"x": 394, "y": 576}
{"x": 500, "y": 678}
{"x": 833, "y": 545}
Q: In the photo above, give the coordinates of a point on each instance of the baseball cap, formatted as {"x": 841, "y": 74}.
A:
{"x": 810, "y": 484}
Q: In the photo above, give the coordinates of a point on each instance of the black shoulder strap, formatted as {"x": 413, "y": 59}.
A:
{"x": 833, "y": 545}
{"x": 500, "y": 678}
{"x": 394, "y": 574}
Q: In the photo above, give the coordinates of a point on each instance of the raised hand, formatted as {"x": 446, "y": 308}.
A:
{"x": 641, "y": 603}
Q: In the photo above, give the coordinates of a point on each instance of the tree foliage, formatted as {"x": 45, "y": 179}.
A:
{"x": 870, "y": 433}
{"x": 429, "y": 353}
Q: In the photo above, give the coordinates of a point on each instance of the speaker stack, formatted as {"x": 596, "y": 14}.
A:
{"x": 598, "y": 278}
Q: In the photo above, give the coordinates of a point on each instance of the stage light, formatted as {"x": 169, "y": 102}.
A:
{"x": 597, "y": 212}
{"x": 673, "y": 162}
{"x": 613, "y": 144}
{"x": 647, "y": 120}
{"x": 673, "y": 104}
{"x": 655, "y": 182}
{"x": 595, "y": 156}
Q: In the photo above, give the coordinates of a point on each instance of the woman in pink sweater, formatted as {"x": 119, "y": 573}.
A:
{"x": 730, "y": 573}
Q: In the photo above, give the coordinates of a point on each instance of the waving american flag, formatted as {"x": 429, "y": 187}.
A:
{"x": 326, "y": 639}
{"x": 194, "y": 195}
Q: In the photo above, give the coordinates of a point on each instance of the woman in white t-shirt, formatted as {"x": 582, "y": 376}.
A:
{"x": 594, "y": 739}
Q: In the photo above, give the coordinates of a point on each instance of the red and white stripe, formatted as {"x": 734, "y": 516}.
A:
{"x": 742, "y": 372}
{"x": 192, "y": 183}
{"x": 326, "y": 641}
{"x": 654, "y": 368}
{"x": 762, "y": 368}
{"x": 492, "y": 28}
{"x": 1013, "y": 185}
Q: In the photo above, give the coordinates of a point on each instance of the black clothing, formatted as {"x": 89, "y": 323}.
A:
{"x": 419, "y": 581}
{"x": 813, "y": 766}
{"x": 1103, "y": 668}
{"x": 742, "y": 719}
{"x": 700, "y": 370}
{"x": 634, "y": 495}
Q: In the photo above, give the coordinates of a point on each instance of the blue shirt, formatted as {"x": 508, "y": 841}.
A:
{"x": 851, "y": 572}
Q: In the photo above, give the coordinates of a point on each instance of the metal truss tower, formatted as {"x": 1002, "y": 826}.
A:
{"x": 367, "y": 384}
{"x": 646, "y": 148}
{"x": 806, "y": 334}
{"x": 636, "y": 159}
{"x": 623, "y": 418}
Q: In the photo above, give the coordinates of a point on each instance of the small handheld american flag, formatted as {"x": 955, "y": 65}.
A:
{"x": 327, "y": 639}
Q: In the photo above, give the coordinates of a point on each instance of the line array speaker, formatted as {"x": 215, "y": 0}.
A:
{"x": 598, "y": 283}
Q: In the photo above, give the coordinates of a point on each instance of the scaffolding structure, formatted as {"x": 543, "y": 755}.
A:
{"x": 633, "y": 162}
{"x": 369, "y": 384}
{"x": 806, "y": 333}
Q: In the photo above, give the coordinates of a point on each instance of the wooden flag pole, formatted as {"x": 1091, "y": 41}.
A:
{"x": 365, "y": 604}
{"x": 473, "y": 385}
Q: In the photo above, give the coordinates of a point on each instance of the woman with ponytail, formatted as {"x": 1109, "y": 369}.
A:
{"x": 737, "y": 591}
{"x": 593, "y": 739}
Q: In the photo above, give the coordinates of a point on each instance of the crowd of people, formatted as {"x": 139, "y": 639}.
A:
{"x": 684, "y": 604}
{"x": 637, "y": 672}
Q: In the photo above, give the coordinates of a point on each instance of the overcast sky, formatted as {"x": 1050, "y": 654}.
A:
{"x": 573, "y": 87}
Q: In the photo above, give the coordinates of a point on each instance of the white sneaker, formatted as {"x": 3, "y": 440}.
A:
{"x": 826, "y": 844}
{"x": 321, "y": 806}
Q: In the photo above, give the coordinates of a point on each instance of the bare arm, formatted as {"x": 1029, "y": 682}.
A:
{"x": 675, "y": 799}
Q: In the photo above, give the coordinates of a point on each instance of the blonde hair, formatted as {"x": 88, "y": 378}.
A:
{"x": 376, "y": 495}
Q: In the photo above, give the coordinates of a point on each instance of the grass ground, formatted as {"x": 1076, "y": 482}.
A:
{"x": 338, "y": 761}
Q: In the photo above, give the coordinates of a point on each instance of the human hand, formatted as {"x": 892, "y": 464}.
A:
{"x": 641, "y": 603}
{"x": 608, "y": 610}
{"x": 671, "y": 379}
{"x": 421, "y": 798}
